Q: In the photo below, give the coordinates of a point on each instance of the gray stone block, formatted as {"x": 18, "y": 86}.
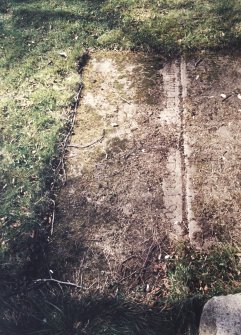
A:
{"x": 221, "y": 316}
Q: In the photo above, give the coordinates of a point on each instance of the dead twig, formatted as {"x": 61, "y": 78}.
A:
{"x": 61, "y": 164}
{"x": 51, "y": 280}
{"x": 129, "y": 258}
{"x": 36, "y": 283}
{"x": 128, "y": 102}
{"x": 87, "y": 145}
{"x": 150, "y": 251}
{"x": 198, "y": 62}
{"x": 128, "y": 276}
{"x": 227, "y": 97}
{"x": 52, "y": 218}
{"x": 123, "y": 263}
{"x": 93, "y": 240}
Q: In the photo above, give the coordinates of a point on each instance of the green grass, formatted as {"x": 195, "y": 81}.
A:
{"x": 203, "y": 273}
{"x": 40, "y": 44}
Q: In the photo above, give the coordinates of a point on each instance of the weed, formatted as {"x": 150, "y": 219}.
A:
{"x": 209, "y": 273}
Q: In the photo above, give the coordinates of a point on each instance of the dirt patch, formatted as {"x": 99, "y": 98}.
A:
{"x": 154, "y": 159}
{"x": 112, "y": 213}
{"x": 213, "y": 108}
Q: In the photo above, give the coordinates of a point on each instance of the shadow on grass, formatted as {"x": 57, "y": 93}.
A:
{"x": 33, "y": 31}
{"x": 229, "y": 20}
{"x": 51, "y": 311}
{"x": 215, "y": 24}
{"x": 36, "y": 18}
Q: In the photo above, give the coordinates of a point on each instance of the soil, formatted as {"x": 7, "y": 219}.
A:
{"x": 213, "y": 124}
{"x": 154, "y": 161}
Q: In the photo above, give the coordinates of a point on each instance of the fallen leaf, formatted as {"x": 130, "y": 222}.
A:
{"x": 63, "y": 54}
{"x": 114, "y": 125}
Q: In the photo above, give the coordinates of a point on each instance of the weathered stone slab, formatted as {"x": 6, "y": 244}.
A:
{"x": 154, "y": 159}
{"x": 222, "y": 316}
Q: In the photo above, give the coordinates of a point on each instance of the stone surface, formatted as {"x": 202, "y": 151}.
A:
{"x": 222, "y": 316}
{"x": 154, "y": 160}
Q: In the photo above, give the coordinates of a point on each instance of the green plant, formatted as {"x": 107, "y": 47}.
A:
{"x": 215, "y": 271}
